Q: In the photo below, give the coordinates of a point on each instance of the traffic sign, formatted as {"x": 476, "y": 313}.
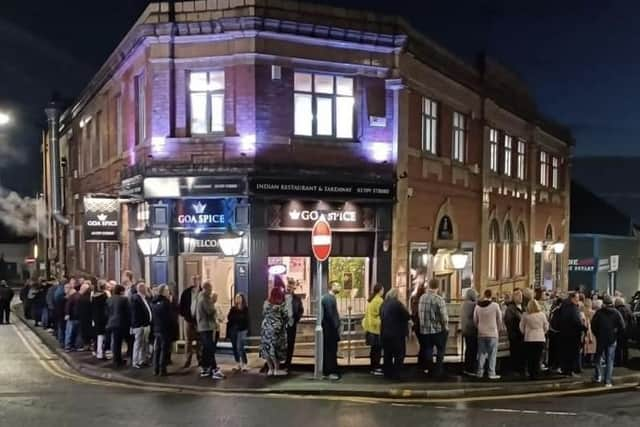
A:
{"x": 321, "y": 239}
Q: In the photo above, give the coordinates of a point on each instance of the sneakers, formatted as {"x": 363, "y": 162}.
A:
{"x": 470, "y": 374}
{"x": 377, "y": 372}
{"x": 334, "y": 377}
{"x": 244, "y": 368}
{"x": 608, "y": 385}
{"x": 280, "y": 373}
{"x": 494, "y": 377}
{"x": 217, "y": 374}
{"x": 597, "y": 380}
{"x": 205, "y": 373}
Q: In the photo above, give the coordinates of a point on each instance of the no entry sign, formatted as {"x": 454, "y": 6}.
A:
{"x": 321, "y": 239}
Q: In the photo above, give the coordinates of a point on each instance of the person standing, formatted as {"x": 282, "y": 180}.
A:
{"x": 273, "y": 339}
{"x": 488, "y": 319}
{"x": 60, "y": 300}
{"x": 188, "y": 300}
{"x": 295, "y": 310}
{"x": 330, "y": 333}
{"x": 49, "y": 321}
{"x": 237, "y": 329}
{"x": 394, "y": 328}
{"x": 6, "y": 295}
{"x": 207, "y": 325}
{"x": 72, "y": 320}
{"x": 414, "y": 302}
{"x": 589, "y": 340}
{"x": 570, "y": 329}
{"x": 534, "y": 326}
{"x": 118, "y": 322}
{"x": 141, "y": 325}
{"x": 606, "y": 325}
{"x": 622, "y": 343}
{"x": 371, "y": 326}
{"x": 84, "y": 316}
{"x": 162, "y": 330}
{"x": 434, "y": 328}
{"x": 469, "y": 332}
{"x": 99, "y": 318}
{"x": 24, "y": 298}
{"x": 512, "y": 317}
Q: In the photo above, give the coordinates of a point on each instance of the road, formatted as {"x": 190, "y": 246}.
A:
{"x": 38, "y": 389}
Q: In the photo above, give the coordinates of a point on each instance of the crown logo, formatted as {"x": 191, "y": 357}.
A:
{"x": 102, "y": 217}
{"x": 294, "y": 214}
{"x": 199, "y": 207}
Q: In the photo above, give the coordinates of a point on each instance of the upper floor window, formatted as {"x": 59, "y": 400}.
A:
{"x": 206, "y": 102}
{"x": 493, "y": 150}
{"x": 119, "y": 130}
{"x": 508, "y": 149}
{"x": 323, "y": 105}
{"x": 521, "y": 172}
{"x": 519, "y": 250}
{"x": 459, "y": 137}
{"x": 140, "y": 104}
{"x": 99, "y": 139}
{"x": 544, "y": 169}
{"x": 429, "y": 126}
{"x": 554, "y": 172}
{"x": 494, "y": 239}
{"x": 507, "y": 242}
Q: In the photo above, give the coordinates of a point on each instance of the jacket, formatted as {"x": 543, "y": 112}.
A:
{"x": 206, "y": 316}
{"x": 118, "y": 313}
{"x": 488, "y": 319}
{"x": 433, "y": 314}
{"x": 185, "y": 305}
{"x": 295, "y": 308}
{"x": 6, "y": 294}
{"x": 606, "y": 324}
{"x": 238, "y": 319}
{"x": 371, "y": 321}
{"x": 512, "y": 317}
{"x": 394, "y": 319}
{"x": 71, "y": 307}
{"x": 467, "y": 324}
{"x": 84, "y": 308}
{"x": 50, "y": 297}
{"x": 534, "y": 327}
{"x": 569, "y": 322}
{"x": 162, "y": 317}
{"x": 330, "y": 317}
{"x": 140, "y": 314}
{"x": 99, "y": 313}
{"x": 629, "y": 320}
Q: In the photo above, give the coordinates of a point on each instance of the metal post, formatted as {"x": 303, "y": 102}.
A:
{"x": 349, "y": 336}
{"x": 147, "y": 270}
{"x": 318, "y": 333}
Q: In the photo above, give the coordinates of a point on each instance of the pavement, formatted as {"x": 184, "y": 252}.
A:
{"x": 355, "y": 382}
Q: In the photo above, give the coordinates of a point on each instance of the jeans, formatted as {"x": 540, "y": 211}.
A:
{"x": 100, "y": 346}
{"x": 117, "y": 335}
{"x": 237, "y": 343}
{"x": 487, "y": 350}
{"x": 533, "y": 351}
{"x": 394, "y": 352}
{"x": 208, "y": 359}
{"x": 470, "y": 353}
{"x": 609, "y": 354}
{"x": 439, "y": 341}
{"x": 140, "y": 345}
{"x": 71, "y": 335}
{"x": 61, "y": 325}
{"x": 161, "y": 348}
{"x": 44, "y": 318}
{"x": 193, "y": 342}
{"x": 5, "y": 311}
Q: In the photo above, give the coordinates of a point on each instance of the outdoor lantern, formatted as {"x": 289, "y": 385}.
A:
{"x": 558, "y": 247}
{"x": 230, "y": 242}
{"x": 148, "y": 243}
{"x": 537, "y": 247}
{"x": 459, "y": 259}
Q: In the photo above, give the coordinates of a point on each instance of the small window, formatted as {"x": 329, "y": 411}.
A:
{"x": 494, "y": 239}
{"x": 140, "y": 104}
{"x": 508, "y": 142}
{"x": 507, "y": 242}
{"x": 459, "y": 137}
{"x": 519, "y": 250}
{"x": 99, "y": 140}
{"x": 429, "y": 126}
{"x": 119, "y": 130}
{"x": 206, "y": 101}
{"x": 544, "y": 169}
{"x": 554, "y": 173}
{"x": 521, "y": 160}
{"x": 493, "y": 150}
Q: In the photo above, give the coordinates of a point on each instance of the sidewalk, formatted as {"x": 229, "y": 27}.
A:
{"x": 355, "y": 381}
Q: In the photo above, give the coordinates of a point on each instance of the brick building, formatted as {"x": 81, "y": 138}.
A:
{"x": 259, "y": 115}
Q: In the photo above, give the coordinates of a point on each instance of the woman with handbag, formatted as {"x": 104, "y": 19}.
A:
{"x": 371, "y": 326}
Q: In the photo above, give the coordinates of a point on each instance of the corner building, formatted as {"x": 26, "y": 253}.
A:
{"x": 261, "y": 115}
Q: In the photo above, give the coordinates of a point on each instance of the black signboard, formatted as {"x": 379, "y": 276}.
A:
{"x": 195, "y": 186}
{"x": 445, "y": 229}
{"x": 200, "y": 243}
{"x": 301, "y": 187}
{"x": 101, "y": 219}
{"x": 297, "y": 214}
{"x": 204, "y": 213}
{"x": 132, "y": 187}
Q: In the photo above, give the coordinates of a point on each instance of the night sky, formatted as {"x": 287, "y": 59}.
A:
{"x": 579, "y": 57}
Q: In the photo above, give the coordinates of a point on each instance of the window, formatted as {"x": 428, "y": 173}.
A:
{"x": 544, "y": 169}
{"x": 206, "y": 102}
{"x": 494, "y": 238}
{"x": 99, "y": 140}
{"x": 459, "y": 137}
{"x": 554, "y": 172}
{"x": 119, "y": 130}
{"x": 519, "y": 250}
{"x": 323, "y": 105}
{"x": 507, "y": 243}
{"x": 493, "y": 150}
{"x": 429, "y": 126}
{"x": 140, "y": 100}
{"x": 508, "y": 141}
{"x": 521, "y": 161}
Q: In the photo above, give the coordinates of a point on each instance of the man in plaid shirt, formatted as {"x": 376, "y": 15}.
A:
{"x": 434, "y": 328}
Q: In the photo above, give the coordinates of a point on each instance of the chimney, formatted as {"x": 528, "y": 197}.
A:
{"x": 53, "y": 139}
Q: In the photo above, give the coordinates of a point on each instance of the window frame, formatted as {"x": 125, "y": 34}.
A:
{"x": 521, "y": 237}
{"x": 521, "y": 162}
{"x": 508, "y": 155}
{"x": 430, "y": 124}
{"x": 334, "y": 97}
{"x": 493, "y": 150}
{"x": 544, "y": 169}
{"x": 494, "y": 240}
{"x": 209, "y": 94}
{"x": 118, "y": 123}
{"x": 99, "y": 139}
{"x": 140, "y": 97}
{"x": 507, "y": 243}
{"x": 555, "y": 172}
{"x": 459, "y": 137}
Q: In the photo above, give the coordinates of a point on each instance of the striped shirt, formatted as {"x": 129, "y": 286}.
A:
{"x": 432, "y": 311}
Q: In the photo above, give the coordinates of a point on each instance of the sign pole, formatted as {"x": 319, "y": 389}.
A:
{"x": 317, "y": 373}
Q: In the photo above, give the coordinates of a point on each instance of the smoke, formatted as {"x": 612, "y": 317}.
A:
{"x": 23, "y": 215}
{"x": 10, "y": 153}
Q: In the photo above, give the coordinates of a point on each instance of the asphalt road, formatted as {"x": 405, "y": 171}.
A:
{"x": 36, "y": 389}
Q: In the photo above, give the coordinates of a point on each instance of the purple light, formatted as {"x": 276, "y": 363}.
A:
{"x": 132, "y": 156}
{"x": 380, "y": 151}
{"x": 248, "y": 143}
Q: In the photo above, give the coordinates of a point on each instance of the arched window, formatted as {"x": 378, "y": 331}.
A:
{"x": 548, "y": 234}
{"x": 521, "y": 238}
{"x": 507, "y": 243}
{"x": 494, "y": 239}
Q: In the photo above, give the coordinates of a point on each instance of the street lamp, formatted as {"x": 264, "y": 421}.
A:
{"x": 558, "y": 247}
{"x": 149, "y": 244}
{"x": 5, "y": 119}
{"x": 230, "y": 242}
{"x": 459, "y": 260}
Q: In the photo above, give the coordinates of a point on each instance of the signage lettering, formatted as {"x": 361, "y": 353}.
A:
{"x": 204, "y": 213}
{"x": 273, "y": 185}
{"x": 302, "y": 215}
{"x": 200, "y": 243}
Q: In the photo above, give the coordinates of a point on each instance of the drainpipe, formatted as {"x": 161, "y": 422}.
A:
{"x": 53, "y": 139}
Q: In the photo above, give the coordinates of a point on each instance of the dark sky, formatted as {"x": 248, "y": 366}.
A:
{"x": 579, "y": 57}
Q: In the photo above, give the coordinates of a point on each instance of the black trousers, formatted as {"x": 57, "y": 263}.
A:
{"x": 394, "y": 351}
{"x": 117, "y": 335}
{"x": 130, "y": 340}
{"x": 375, "y": 350}
{"x": 161, "y": 348}
{"x": 470, "y": 353}
{"x": 534, "y": 351}
{"x": 5, "y": 312}
{"x": 517, "y": 356}
{"x": 291, "y": 343}
{"x": 569, "y": 353}
{"x": 330, "y": 353}
{"x": 622, "y": 351}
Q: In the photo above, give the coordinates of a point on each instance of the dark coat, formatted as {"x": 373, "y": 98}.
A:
{"x": 118, "y": 313}
{"x": 330, "y": 317}
{"x": 569, "y": 323}
{"x": 627, "y": 316}
{"x": 140, "y": 315}
{"x": 84, "y": 308}
{"x": 162, "y": 316}
{"x": 71, "y": 307}
{"x": 185, "y": 306}
{"x": 394, "y": 319}
{"x": 6, "y": 295}
{"x": 99, "y": 313}
{"x": 606, "y": 324}
{"x": 238, "y": 319}
{"x": 512, "y": 317}
{"x": 297, "y": 306}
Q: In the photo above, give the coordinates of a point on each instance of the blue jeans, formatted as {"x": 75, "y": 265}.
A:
{"x": 71, "y": 335}
{"x": 61, "y": 325}
{"x": 487, "y": 350}
{"x": 44, "y": 318}
{"x": 237, "y": 343}
{"x": 439, "y": 341}
{"x": 608, "y": 353}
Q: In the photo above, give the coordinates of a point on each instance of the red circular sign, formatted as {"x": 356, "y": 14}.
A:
{"x": 321, "y": 239}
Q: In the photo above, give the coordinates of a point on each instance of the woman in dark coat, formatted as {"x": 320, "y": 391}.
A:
{"x": 99, "y": 317}
{"x": 394, "y": 329}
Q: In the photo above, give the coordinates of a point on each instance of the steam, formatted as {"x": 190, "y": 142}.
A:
{"x": 23, "y": 215}
{"x": 10, "y": 153}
